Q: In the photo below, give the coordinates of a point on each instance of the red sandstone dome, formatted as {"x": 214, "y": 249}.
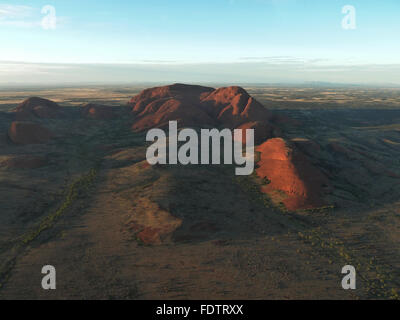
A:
{"x": 154, "y": 107}
{"x": 98, "y": 112}
{"x": 159, "y": 112}
{"x": 192, "y": 105}
{"x": 180, "y": 91}
{"x": 290, "y": 171}
{"x": 286, "y": 167}
{"x": 38, "y": 108}
{"x": 28, "y": 133}
{"x": 233, "y": 106}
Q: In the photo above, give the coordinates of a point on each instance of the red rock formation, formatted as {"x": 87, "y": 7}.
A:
{"x": 150, "y": 235}
{"x": 28, "y": 133}
{"x": 290, "y": 171}
{"x": 159, "y": 112}
{"x": 156, "y": 106}
{"x": 98, "y": 112}
{"x": 179, "y": 91}
{"x": 233, "y": 106}
{"x": 38, "y": 108}
{"x": 198, "y": 106}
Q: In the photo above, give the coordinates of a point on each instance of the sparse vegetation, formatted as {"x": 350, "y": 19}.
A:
{"x": 75, "y": 190}
{"x": 378, "y": 279}
{"x": 267, "y": 252}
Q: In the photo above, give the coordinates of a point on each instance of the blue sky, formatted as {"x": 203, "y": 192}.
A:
{"x": 202, "y": 41}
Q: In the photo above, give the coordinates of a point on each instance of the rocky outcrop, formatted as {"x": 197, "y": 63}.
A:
{"x": 228, "y": 107}
{"x": 33, "y": 108}
{"x": 22, "y": 132}
{"x": 287, "y": 169}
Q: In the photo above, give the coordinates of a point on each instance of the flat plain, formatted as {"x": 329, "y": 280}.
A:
{"x": 79, "y": 211}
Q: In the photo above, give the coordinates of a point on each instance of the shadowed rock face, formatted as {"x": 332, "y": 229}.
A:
{"x": 159, "y": 112}
{"x": 290, "y": 171}
{"x": 36, "y": 107}
{"x": 98, "y": 112}
{"x": 28, "y": 133}
{"x": 180, "y": 91}
{"x": 197, "y": 106}
{"x": 155, "y": 107}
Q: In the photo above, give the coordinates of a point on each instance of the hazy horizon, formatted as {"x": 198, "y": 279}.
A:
{"x": 224, "y": 41}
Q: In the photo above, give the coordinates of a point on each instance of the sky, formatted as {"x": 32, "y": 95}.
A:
{"x": 232, "y": 41}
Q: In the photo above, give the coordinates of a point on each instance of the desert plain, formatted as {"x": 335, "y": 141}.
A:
{"x": 81, "y": 196}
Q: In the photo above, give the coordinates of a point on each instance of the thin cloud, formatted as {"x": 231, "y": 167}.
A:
{"x": 20, "y": 16}
{"x": 283, "y": 60}
{"x": 20, "y": 23}
{"x": 8, "y": 11}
